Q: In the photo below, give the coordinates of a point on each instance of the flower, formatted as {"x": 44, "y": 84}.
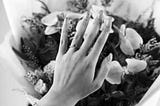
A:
{"x": 53, "y": 23}
{"x": 125, "y": 44}
{"x": 135, "y": 65}
{"x": 115, "y": 71}
{"x": 130, "y": 40}
{"x": 40, "y": 87}
{"x": 50, "y": 67}
{"x": 54, "y": 20}
{"x": 134, "y": 38}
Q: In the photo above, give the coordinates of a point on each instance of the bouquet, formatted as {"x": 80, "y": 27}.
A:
{"x": 134, "y": 48}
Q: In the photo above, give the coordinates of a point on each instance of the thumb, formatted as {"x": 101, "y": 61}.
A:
{"x": 104, "y": 69}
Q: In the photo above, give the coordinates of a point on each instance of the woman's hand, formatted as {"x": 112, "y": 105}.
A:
{"x": 74, "y": 76}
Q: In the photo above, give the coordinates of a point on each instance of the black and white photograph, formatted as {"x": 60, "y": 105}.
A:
{"x": 79, "y": 52}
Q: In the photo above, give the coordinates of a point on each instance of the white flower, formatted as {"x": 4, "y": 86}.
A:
{"x": 115, "y": 71}
{"x": 134, "y": 38}
{"x": 130, "y": 40}
{"x": 135, "y": 65}
{"x": 40, "y": 87}
{"x": 54, "y": 20}
{"x": 50, "y": 67}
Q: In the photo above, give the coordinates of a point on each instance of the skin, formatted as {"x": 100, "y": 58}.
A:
{"x": 70, "y": 89}
{"x": 76, "y": 79}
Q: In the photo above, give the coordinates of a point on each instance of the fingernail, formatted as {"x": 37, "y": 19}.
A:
{"x": 66, "y": 22}
{"x": 108, "y": 24}
{"x": 87, "y": 16}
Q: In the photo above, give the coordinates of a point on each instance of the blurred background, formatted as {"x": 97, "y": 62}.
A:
{"x": 4, "y": 25}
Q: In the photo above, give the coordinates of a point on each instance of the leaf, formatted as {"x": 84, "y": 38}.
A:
{"x": 28, "y": 46}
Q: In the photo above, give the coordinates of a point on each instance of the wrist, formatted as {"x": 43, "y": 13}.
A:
{"x": 57, "y": 99}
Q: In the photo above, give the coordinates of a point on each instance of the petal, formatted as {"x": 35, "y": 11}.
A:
{"x": 108, "y": 20}
{"x": 135, "y": 65}
{"x": 50, "y": 19}
{"x": 50, "y": 67}
{"x": 134, "y": 38}
{"x": 40, "y": 87}
{"x": 51, "y": 30}
{"x": 115, "y": 73}
{"x": 126, "y": 48}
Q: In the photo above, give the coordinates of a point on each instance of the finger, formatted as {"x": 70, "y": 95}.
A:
{"x": 64, "y": 38}
{"x": 103, "y": 70}
{"x": 80, "y": 30}
{"x": 91, "y": 34}
{"x": 97, "y": 48}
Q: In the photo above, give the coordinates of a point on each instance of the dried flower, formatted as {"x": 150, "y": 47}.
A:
{"x": 31, "y": 77}
{"x": 40, "y": 87}
{"x": 50, "y": 67}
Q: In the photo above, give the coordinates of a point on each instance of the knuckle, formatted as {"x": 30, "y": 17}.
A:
{"x": 77, "y": 37}
{"x": 88, "y": 63}
{"x": 76, "y": 58}
{"x": 67, "y": 57}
